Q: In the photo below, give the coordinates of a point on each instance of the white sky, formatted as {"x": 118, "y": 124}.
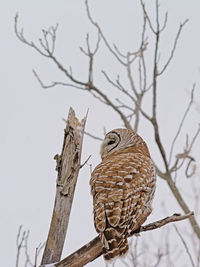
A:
{"x": 31, "y": 117}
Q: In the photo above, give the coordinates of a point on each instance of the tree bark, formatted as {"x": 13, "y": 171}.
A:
{"x": 68, "y": 165}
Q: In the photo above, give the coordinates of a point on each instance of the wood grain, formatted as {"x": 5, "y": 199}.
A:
{"x": 68, "y": 165}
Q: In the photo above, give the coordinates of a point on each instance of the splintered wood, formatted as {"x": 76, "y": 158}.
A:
{"x": 68, "y": 165}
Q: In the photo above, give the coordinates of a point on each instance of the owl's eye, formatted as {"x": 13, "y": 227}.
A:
{"x": 111, "y": 142}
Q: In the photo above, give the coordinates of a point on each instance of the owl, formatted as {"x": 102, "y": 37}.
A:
{"x": 122, "y": 186}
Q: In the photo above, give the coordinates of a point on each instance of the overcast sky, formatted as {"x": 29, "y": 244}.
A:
{"x": 31, "y": 117}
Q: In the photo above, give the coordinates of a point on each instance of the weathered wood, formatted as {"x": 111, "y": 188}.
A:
{"x": 84, "y": 255}
{"x": 68, "y": 165}
{"x": 93, "y": 249}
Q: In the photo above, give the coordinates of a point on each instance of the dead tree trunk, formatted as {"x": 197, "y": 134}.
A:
{"x": 68, "y": 165}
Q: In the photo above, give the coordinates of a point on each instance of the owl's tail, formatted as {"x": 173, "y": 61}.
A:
{"x": 114, "y": 244}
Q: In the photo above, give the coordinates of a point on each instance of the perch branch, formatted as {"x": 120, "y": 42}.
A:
{"x": 93, "y": 249}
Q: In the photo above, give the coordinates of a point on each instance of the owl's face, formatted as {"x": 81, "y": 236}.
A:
{"x": 119, "y": 139}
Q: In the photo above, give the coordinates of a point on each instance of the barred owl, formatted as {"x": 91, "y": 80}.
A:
{"x": 122, "y": 186}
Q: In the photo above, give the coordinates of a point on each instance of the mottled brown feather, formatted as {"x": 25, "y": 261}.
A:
{"x": 122, "y": 186}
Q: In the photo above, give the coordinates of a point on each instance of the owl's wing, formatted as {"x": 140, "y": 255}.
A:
{"x": 138, "y": 192}
{"x": 121, "y": 189}
{"x": 107, "y": 191}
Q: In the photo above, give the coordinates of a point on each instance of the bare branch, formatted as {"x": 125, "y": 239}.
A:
{"x": 187, "y": 174}
{"x": 91, "y": 87}
{"x": 91, "y": 54}
{"x": 155, "y": 72}
{"x": 22, "y": 243}
{"x": 173, "y": 218}
{"x": 37, "y": 252}
{"x": 154, "y": 102}
{"x": 142, "y": 63}
{"x": 36, "y": 257}
{"x": 123, "y": 105}
{"x": 46, "y": 51}
{"x": 118, "y": 86}
{"x": 93, "y": 136}
{"x": 157, "y": 17}
{"x": 118, "y": 51}
{"x": 19, "y": 243}
{"x": 186, "y": 155}
{"x": 53, "y": 84}
{"x": 85, "y": 162}
{"x": 28, "y": 261}
{"x": 182, "y": 122}
{"x": 182, "y": 156}
{"x": 101, "y": 33}
{"x": 159, "y": 258}
{"x": 165, "y": 22}
{"x": 194, "y": 138}
{"x": 97, "y": 97}
{"x": 145, "y": 14}
{"x": 93, "y": 249}
{"x": 130, "y": 75}
{"x": 182, "y": 203}
{"x": 174, "y": 47}
{"x": 116, "y": 54}
{"x": 136, "y": 100}
{"x": 185, "y": 246}
{"x": 87, "y": 85}
{"x": 97, "y": 44}
{"x": 109, "y": 103}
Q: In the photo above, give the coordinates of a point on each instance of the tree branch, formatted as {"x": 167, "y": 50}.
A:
{"x": 182, "y": 203}
{"x": 174, "y": 47}
{"x": 181, "y": 123}
{"x": 93, "y": 249}
{"x": 185, "y": 246}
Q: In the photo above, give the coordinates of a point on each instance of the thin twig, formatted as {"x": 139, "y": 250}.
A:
{"x": 147, "y": 17}
{"x": 45, "y": 51}
{"x": 185, "y": 245}
{"x": 174, "y": 47}
{"x": 182, "y": 122}
{"x": 194, "y": 138}
{"x": 28, "y": 261}
{"x": 174, "y": 218}
{"x": 53, "y": 84}
{"x": 19, "y": 242}
{"x": 93, "y": 136}
{"x": 85, "y": 162}
{"x": 118, "y": 86}
{"x": 101, "y": 33}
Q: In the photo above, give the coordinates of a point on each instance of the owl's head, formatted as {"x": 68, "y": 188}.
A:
{"x": 120, "y": 139}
